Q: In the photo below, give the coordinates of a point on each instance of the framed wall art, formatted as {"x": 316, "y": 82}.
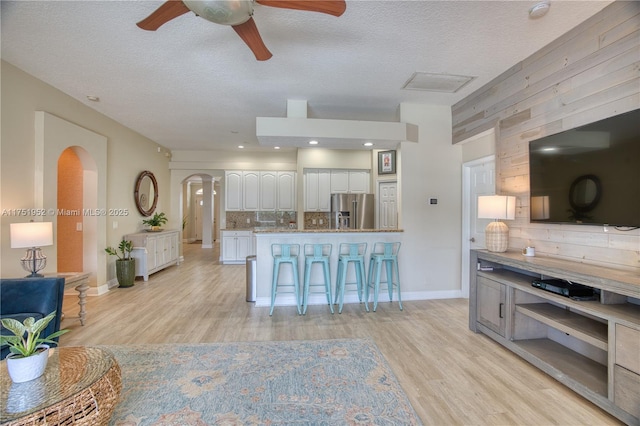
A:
{"x": 387, "y": 163}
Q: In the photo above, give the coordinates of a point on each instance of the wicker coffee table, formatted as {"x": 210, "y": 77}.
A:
{"x": 80, "y": 386}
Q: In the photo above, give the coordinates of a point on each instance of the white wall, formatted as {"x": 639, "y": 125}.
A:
{"x": 431, "y": 252}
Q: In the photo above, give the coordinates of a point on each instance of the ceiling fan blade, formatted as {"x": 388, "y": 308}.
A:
{"x": 249, "y": 33}
{"x": 332, "y": 7}
{"x": 169, "y": 10}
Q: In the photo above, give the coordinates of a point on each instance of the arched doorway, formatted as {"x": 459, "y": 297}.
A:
{"x": 199, "y": 218}
{"x": 76, "y": 198}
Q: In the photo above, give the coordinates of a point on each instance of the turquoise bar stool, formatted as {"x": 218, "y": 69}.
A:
{"x": 384, "y": 254}
{"x": 283, "y": 254}
{"x": 316, "y": 253}
{"x": 350, "y": 253}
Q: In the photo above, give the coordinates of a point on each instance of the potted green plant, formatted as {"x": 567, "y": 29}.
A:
{"x": 125, "y": 264}
{"x": 29, "y": 351}
{"x": 156, "y": 221}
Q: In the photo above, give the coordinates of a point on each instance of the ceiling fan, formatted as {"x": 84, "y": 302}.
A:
{"x": 238, "y": 14}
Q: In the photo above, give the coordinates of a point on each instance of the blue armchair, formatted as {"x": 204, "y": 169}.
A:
{"x": 21, "y": 298}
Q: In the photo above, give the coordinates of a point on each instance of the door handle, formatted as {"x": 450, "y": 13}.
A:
{"x": 500, "y": 315}
{"x": 473, "y": 240}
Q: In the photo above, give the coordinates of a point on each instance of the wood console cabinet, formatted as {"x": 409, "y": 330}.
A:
{"x": 590, "y": 346}
{"x": 154, "y": 251}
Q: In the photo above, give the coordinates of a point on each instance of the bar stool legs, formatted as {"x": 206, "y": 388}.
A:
{"x": 316, "y": 253}
{"x": 351, "y": 253}
{"x": 387, "y": 254}
{"x": 282, "y": 254}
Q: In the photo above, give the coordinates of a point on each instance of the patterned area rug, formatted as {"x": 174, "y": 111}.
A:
{"x": 325, "y": 382}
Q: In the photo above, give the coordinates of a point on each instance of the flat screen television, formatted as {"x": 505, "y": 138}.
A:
{"x": 588, "y": 175}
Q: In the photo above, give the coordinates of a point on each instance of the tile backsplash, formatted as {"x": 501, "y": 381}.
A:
{"x": 247, "y": 220}
{"x": 317, "y": 220}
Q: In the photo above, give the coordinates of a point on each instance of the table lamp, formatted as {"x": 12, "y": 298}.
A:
{"x": 32, "y": 236}
{"x": 496, "y": 207}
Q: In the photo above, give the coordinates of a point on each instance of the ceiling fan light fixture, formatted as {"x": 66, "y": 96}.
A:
{"x": 539, "y": 10}
{"x": 233, "y": 12}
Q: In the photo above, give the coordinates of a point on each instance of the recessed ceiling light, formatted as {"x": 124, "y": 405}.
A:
{"x": 368, "y": 144}
{"x": 241, "y": 146}
{"x": 313, "y": 142}
{"x": 276, "y": 147}
{"x": 539, "y": 9}
{"x": 93, "y": 98}
{"x": 235, "y": 132}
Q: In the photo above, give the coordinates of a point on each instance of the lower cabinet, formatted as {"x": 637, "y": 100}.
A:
{"x": 236, "y": 246}
{"x": 590, "y": 345}
{"x": 154, "y": 251}
{"x": 491, "y": 305}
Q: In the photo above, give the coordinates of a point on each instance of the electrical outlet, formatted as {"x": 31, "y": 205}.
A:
{"x": 281, "y": 220}
{"x": 321, "y": 221}
{"x": 248, "y": 220}
{"x": 313, "y": 221}
{"x": 115, "y": 224}
{"x": 78, "y": 226}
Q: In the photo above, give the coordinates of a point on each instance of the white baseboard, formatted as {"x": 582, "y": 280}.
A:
{"x": 321, "y": 299}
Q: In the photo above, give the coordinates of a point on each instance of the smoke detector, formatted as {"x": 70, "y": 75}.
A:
{"x": 539, "y": 10}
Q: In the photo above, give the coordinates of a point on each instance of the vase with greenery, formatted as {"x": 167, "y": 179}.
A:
{"x": 125, "y": 264}
{"x": 28, "y": 355}
{"x": 156, "y": 221}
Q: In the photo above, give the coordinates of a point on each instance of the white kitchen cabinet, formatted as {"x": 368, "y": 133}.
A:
{"x": 286, "y": 191}
{"x": 269, "y": 191}
{"x": 250, "y": 191}
{"x": 233, "y": 190}
{"x": 236, "y": 246}
{"x": 339, "y": 181}
{"x": 260, "y": 191}
{"x": 358, "y": 181}
{"x": 154, "y": 251}
{"x": 317, "y": 190}
{"x": 349, "y": 181}
{"x": 277, "y": 191}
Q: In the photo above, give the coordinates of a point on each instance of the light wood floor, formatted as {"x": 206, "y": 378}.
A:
{"x": 451, "y": 375}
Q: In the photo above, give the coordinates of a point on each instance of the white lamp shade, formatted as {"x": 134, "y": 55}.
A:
{"x": 31, "y": 234}
{"x": 540, "y": 207}
{"x": 496, "y": 207}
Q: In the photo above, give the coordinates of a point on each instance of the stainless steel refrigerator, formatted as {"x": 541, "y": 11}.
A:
{"x": 352, "y": 211}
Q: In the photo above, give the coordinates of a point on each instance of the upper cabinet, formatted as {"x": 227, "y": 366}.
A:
{"x": 260, "y": 191}
{"x": 233, "y": 191}
{"x": 349, "y": 181}
{"x": 317, "y": 190}
{"x": 250, "y": 191}
{"x": 359, "y": 181}
{"x": 319, "y": 184}
{"x": 286, "y": 191}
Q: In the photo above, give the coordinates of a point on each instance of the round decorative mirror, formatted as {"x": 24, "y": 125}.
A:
{"x": 146, "y": 193}
{"x": 585, "y": 193}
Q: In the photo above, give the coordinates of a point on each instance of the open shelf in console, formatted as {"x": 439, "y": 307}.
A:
{"x": 569, "y": 322}
{"x": 566, "y": 362}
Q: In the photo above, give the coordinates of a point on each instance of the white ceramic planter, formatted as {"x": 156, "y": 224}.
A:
{"x": 29, "y": 368}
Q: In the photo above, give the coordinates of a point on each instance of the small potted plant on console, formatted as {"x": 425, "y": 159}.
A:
{"x": 29, "y": 352}
{"x": 156, "y": 221}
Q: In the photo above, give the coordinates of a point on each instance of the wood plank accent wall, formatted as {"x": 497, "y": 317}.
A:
{"x": 590, "y": 73}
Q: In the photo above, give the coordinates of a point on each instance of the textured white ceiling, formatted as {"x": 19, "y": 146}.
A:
{"x": 195, "y": 85}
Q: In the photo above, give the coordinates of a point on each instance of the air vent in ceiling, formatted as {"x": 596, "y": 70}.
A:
{"x": 436, "y": 82}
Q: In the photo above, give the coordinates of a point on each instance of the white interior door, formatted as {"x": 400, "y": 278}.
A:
{"x": 387, "y": 205}
{"x": 479, "y": 178}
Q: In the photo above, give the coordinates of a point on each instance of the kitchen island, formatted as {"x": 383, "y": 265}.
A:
{"x": 265, "y": 237}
